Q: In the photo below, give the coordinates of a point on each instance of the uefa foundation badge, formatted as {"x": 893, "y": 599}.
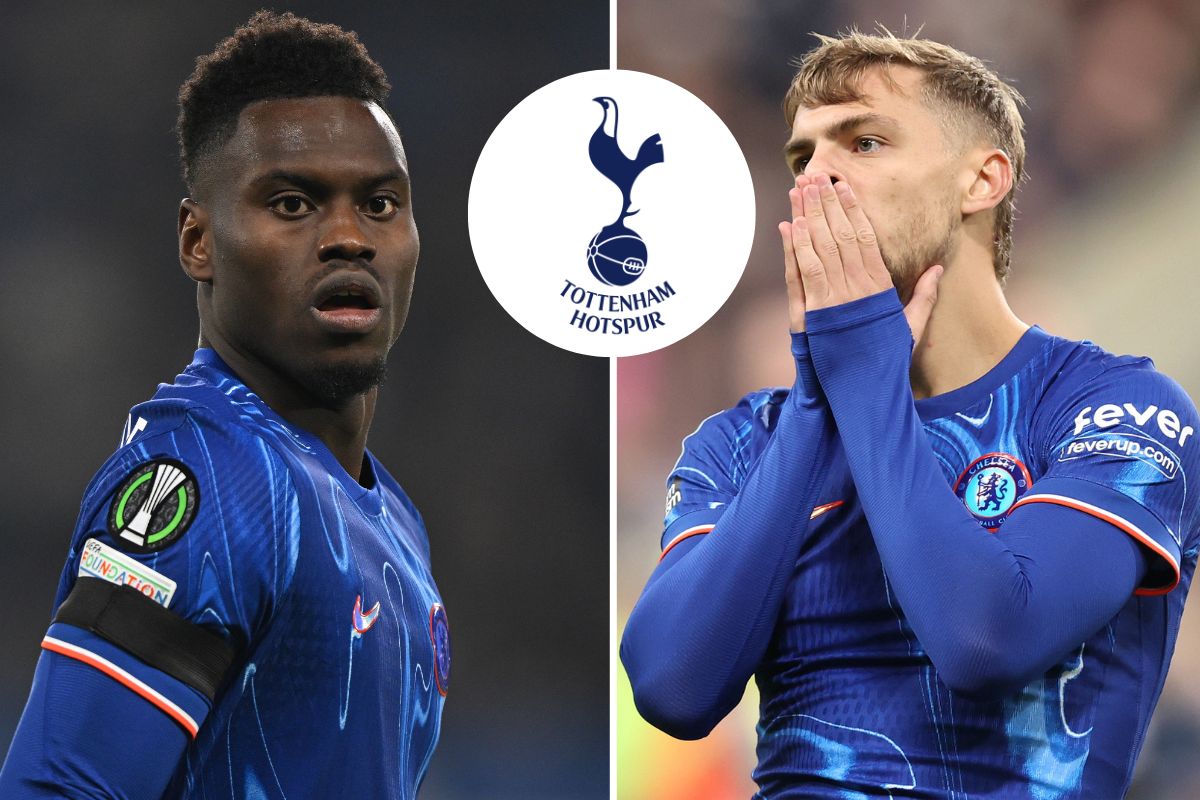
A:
{"x": 611, "y": 213}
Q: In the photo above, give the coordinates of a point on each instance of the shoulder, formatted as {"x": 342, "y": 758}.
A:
{"x": 1089, "y": 387}
{"x": 204, "y": 430}
{"x": 717, "y": 455}
{"x": 1070, "y": 363}
{"x": 187, "y": 470}
{"x": 756, "y": 412}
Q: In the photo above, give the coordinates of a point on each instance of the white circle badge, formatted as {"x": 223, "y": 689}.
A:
{"x": 611, "y": 213}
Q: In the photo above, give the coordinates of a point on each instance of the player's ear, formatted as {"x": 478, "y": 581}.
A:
{"x": 195, "y": 242}
{"x": 991, "y": 182}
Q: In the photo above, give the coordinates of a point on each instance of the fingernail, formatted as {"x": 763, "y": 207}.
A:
{"x": 811, "y": 193}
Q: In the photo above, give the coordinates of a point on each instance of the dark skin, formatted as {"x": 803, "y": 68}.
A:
{"x": 308, "y": 194}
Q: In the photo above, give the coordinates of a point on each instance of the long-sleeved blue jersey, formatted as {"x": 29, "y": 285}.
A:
{"x": 231, "y": 589}
{"x": 971, "y": 595}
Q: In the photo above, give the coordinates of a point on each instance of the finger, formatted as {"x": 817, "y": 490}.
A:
{"x": 822, "y": 241}
{"x": 791, "y": 276}
{"x": 812, "y": 270}
{"x": 796, "y": 201}
{"x": 857, "y": 279}
{"x": 795, "y": 197}
{"x": 864, "y": 232}
{"x": 791, "y": 272}
{"x": 924, "y": 298}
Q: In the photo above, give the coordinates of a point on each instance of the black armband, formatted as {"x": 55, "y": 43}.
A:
{"x": 159, "y": 637}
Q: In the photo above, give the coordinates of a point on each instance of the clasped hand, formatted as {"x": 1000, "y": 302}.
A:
{"x": 831, "y": 255}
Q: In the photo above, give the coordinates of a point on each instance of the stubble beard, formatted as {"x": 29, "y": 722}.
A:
{"x": 333, "y": 385}
{"x": 927, "y": 237}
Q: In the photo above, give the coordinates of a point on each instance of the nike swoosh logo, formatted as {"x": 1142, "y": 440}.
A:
{"x": 363, "y": 622}
{"x": 819, "y": 510}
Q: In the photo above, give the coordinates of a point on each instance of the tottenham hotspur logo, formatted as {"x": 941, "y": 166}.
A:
{"x": 153, "y": 506}
{"x": 579, "y": 283}
{"x": 617, "y": 255}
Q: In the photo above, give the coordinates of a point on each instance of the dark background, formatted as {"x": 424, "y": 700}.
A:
{"x": 500, "y": 439}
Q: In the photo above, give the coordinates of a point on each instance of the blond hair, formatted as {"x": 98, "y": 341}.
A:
{"x": 981, "y": 104}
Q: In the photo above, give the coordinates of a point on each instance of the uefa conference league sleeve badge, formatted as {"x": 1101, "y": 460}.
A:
{"x": 153, "y": 506}
{"x": 611, "y": 213}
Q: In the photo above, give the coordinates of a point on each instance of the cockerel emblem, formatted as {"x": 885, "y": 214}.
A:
{"x": 617, "y": 255}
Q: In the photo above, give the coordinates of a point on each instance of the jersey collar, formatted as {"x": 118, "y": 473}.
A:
{"x": 368, "y": 498}
{"x": 1030, "y": 343}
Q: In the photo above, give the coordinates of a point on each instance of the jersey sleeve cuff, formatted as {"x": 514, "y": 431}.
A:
{"x": 1126, "y": 514}
{"x": 853, "y": 314}
{"x": 694, "y": 523}
{"x": 177, "y": 700}
{"x": 808, "y": 388}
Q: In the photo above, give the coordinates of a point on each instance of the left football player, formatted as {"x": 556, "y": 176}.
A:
{"x": 247, "y": 608}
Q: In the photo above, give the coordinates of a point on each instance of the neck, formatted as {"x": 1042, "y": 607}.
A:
{"x": 971, "y": 329}
{"x": 342, "y": 429}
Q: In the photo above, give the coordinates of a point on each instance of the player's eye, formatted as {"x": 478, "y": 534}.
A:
{"x": 382, "y": 206}
{"x": 291, "y": 205}
{"x": 799, "y": 164}
{"x": 866, "y": 144}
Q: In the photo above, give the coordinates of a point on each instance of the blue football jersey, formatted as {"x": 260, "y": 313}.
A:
{"x": 850, "y": 703}
{"x": 221, "y": 511}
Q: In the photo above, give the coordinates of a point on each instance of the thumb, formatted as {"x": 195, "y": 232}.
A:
{"x": 924, "y": 297}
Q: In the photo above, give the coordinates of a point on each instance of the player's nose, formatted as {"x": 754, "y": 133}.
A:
{"x": 824, "y": 162}
{"x": 343, "y": 235}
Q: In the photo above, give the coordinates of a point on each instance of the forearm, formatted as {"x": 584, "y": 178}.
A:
{"x": 704, "y": 620}
{"x": 83, "y": 735}
{"x": 991, "y": 611}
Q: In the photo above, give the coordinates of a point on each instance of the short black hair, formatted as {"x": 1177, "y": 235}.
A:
{"x": 272, "y": 56}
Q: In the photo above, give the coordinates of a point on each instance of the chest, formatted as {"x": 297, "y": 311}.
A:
{"x": 358, "y": 645}
{"x": 839, "y": 597}
{"x": 363, "y": 586}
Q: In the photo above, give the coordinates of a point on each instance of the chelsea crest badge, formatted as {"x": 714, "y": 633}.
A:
{"x": 990, "y": 486}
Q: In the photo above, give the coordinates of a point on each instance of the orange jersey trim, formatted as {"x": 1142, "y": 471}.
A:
{"x": 687, "y": 534}
{"x": 1125, "y": 525}
{"x": 125, "y": 679}
{"x": 819, "y": 510}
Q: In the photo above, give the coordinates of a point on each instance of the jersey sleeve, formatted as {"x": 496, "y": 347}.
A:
{"x": 1119, "y": 447}
{"x": 184, "y": 542}
{"x": 707, "y": 476}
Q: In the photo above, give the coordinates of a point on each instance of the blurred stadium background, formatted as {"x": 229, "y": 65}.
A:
{"x": 1107, "y": 248}
{"x": 501, "y": 439}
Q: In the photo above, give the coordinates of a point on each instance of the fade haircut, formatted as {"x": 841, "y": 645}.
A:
{"x": 272, "y": 56}
{"x": 977, "y": 104}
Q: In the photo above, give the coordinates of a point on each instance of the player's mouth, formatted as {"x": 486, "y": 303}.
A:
{"x": 348, "y": 303}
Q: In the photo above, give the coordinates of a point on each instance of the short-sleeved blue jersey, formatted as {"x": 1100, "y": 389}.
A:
{"x": 849, "y": 699}
{"x": 217, "y": 508}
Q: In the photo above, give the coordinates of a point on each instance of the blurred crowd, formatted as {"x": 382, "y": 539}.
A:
{"x": 1106, "y": 249}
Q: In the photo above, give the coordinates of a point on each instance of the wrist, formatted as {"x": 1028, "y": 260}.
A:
{"x": 860, "y": 343}
{"x": 853, "y": 314}
{"x": 807, "y": 388}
